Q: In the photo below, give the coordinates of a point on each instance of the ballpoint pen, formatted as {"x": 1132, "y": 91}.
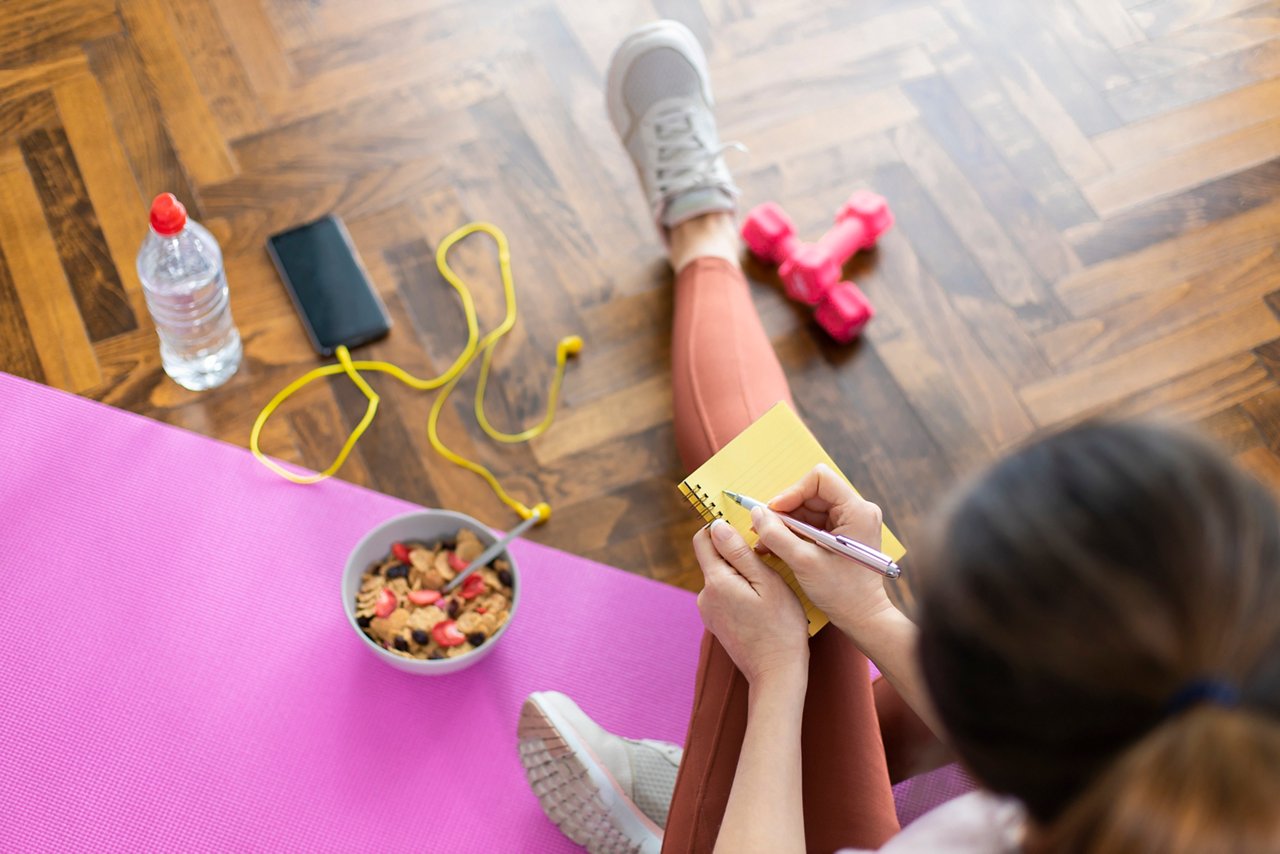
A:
{"x": 492, "y": 552}
{"x": 862, "y": 553}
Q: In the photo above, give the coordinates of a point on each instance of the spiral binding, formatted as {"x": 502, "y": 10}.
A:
{"x": 701, "y": 501}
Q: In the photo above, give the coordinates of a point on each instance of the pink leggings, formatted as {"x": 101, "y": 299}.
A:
{"x": 725, "y": 376}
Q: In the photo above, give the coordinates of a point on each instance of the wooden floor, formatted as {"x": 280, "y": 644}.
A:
{"x": 1087, "y": 195}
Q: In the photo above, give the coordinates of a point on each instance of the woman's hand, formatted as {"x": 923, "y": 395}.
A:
{"x": 851, "y": 595}
{"x": 748, "y": 607}
{"x": 758, "y": 620}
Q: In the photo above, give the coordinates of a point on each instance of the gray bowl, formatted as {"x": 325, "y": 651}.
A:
{"x": 426, "y": 525}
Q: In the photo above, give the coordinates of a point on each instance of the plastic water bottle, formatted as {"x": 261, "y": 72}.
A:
{"x": 180, "y": 265}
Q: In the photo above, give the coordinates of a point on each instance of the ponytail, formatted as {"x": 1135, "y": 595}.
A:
{"x": 1203, "y": 782}
{"x": 1099, "y": 635}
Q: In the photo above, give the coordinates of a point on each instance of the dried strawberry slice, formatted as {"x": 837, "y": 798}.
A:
{"x": 456, "y": 562}
{"x": 472, "y": 587}
{"x": 401, "y": 552}
{"x": 386, "y": 602}
{"x": 424, "y": 597}
{"x": 446, "y": 634}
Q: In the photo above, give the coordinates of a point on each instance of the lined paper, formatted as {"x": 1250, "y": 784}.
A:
{"x": 761, "y": 461}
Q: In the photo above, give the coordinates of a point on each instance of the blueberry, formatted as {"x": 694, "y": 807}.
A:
{"x": 420, "y": 637}
{"x": 402, "y": 644}
{"x": 504, "y": 575}
{"x": 453, "y": 608}
{"x": 451, "y": 545}
{"x": 399, "y": 570}
{"x": 475, "y": 638}
{"x": 363, "y": 622}
{"x": 435, "y": 655}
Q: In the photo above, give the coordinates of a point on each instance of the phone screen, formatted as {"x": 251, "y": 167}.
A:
{"x": 329, "y": 286}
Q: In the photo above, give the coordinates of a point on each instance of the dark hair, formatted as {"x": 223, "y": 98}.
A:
{"x": 1070, "y": 593}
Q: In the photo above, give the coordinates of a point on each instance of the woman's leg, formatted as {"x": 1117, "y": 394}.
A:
{"x": 910, "y": 747}
{"x": 724, "y": 371}
{"x": 658, "y": 93}
{"x": 725, "y": 375}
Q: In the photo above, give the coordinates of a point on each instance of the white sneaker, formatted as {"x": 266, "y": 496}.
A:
{"x": 658, "y": 93}
{"x": 607, "y": 793}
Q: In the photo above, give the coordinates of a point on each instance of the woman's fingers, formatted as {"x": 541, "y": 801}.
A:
{"x": 816, "y": 518}
{"x": 795, "y": 495}
{"x": 780, "y": 540}
{"x": 734, "y": 549}
{"x": 750, "y": 610}
{"x": 825, "y": 500}
{"x": 713, "y": 565}
{"x": 819, "y": 490}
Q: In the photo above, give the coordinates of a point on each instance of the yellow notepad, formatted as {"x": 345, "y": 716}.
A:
{"x": 761, "y": 461}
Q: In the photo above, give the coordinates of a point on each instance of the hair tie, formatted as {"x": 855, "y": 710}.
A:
{"x": 1216, "y": 691}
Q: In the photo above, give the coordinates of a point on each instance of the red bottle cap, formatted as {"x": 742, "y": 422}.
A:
{"x": 168, "y": 216}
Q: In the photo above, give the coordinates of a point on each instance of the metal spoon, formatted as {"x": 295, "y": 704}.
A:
{"x": 490, "y": 553}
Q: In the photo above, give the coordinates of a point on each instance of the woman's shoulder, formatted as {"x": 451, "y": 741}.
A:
{"x": 974, "y": 823}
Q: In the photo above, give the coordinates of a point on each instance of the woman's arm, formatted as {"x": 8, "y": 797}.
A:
{"x": 765, "y": 811}
{"x": 851, "y": 595}
{"x": 889, "y": 640}
{"x": 760, "y": 623}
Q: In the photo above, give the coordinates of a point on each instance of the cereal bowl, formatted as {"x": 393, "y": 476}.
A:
{"x": 425, "y": 526}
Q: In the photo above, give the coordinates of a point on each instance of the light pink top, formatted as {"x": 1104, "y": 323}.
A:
{"x": 976, "y": 823}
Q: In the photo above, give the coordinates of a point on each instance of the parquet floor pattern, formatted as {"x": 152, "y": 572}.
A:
{"x": 1087, "y": 195}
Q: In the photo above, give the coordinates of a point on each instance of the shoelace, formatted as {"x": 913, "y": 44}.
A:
{"x": 684, "y": 160}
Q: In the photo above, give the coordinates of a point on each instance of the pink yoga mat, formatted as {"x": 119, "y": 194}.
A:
{"x": 176, "y": 672}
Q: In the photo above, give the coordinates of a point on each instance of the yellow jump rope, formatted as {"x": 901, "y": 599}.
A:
{"x": 483, "y": 347}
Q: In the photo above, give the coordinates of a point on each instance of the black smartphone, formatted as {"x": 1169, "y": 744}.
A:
{"x": 329, "y": 285}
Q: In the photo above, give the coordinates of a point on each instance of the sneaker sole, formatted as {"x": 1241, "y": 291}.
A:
{"x": 675, "y": 35}
{"x": 576, "y": 791}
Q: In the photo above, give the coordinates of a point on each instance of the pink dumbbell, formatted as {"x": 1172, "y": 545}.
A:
{"x": 811, "y": 269}
{"x": 811, "y": 272}
{"x": 769, "y": 233}
{"x": 844, "y": 311}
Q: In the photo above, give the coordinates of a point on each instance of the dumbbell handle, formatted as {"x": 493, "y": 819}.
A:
{"x": 846, "y": 238}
